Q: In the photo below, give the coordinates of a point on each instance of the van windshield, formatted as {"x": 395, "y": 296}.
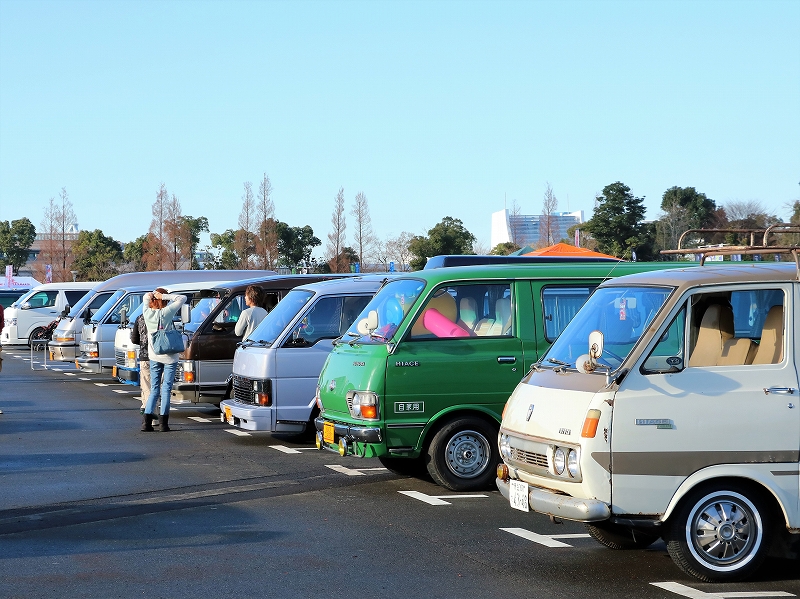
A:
{"x": 284, "y": 313}
{"x": 22, "y": 299}
{"x": 622, "y": 314}
{"x": 81, "y": 304}
{"x": 107, "y": 305}
{"x": 391, "y": 304}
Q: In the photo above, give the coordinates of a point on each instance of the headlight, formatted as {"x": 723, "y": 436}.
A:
{"x": 92, "y": 351}
{"x": 505, "y": 446}
{"x": 65, "y": 337}
{"x": 572, "y": 463}
{"x": 363, "y": 404}
{"x": 261, "y": 393}
{"x": 317, "y": 399}
{"x": 12, "y": 322}
{"x": 559, "y": 461}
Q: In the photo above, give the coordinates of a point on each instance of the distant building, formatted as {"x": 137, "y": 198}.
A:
{"x": 528, "y": 228}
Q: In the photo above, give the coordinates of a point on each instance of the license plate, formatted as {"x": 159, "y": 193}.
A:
{"x": 228, "y": 415}
{"x": 114, "y": 371}
{"x": 518, "y": 495}
{"x": 327, "y": 432}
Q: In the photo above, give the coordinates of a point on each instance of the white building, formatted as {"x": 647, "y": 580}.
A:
{"x": 527, "y": 227}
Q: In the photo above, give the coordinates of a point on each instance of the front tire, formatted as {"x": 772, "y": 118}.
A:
{"x": 720, "y": 533}
{"x": 615, "y": 536}
{"x": 36, "y": 335}
{"x": 463, "y": 455}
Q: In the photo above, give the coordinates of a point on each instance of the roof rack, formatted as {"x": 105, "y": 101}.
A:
{"x": 752, "y": 248}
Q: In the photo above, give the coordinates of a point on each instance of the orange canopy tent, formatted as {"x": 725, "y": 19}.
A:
{"x": 564, "y": 249}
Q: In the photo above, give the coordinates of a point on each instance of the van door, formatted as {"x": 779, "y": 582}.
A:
{"x": 462, "y": 349}
{"x": 718, "y": 385}
{"x": 304, "y": 350}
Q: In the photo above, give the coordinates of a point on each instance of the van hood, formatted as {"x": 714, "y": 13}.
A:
{"x": 351, "y": 368}
{"x": 254, "y": 362}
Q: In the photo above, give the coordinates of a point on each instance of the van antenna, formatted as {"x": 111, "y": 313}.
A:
{"x": 628, "y": 253}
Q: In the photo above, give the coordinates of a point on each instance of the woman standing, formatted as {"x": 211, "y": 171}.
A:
{"x": 162, "y": 366}
{"x": 252, "y": 316}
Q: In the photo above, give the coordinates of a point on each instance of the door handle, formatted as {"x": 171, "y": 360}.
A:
{"x": 781, "y": 390}
{"x": 506, "y": 359}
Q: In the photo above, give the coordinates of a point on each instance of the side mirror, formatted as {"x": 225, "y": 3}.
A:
{"x": 65, "y": 311}
{"x": 186, "y": 313}
{"x": 366, "y": 325}
{"x": 123, "y": 317}
{"x": 587, "y": 363}
{"x": 25, "y": 306}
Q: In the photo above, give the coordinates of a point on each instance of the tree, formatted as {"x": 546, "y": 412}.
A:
{"x": 447, "y": 237}
{"x": 336, "y": 238}
{"x": 96, "y": 257}
{"x": 134, "y": 253}
{"x": 749, "y": 214}
{"x": 515, "y": 225}
{"x": 58, "y": 231}
{"x": 548, "y": 223}
{"x": 16, "y": 239}
{"x": 245, "y": 242}
{"x": 617, "y": 223}
{"x": 395, "y": 249}
{"x": 189, "y": 236}
{"x": 222, "y": 252}
{"x": 267, "y": 238}
{"x": 295, "y": 244}
{"x": 156, "y": 245}
{"x": 683, "y": 208}
{"x": 504, "y": 249}
{"x": 363, "y": 237}
{"x": 175, "y": 234}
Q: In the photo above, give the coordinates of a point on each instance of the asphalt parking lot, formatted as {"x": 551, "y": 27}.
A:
{"x": 92, "y": 507}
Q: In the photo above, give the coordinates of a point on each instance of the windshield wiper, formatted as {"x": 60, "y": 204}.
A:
{"x": 559, "y": 362}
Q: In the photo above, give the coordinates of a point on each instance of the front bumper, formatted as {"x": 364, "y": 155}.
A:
{"x": 128, "y": 375}
{"x": 548, "y": 502}
{"x": 251, "y": 418}
{"x": 89, "y": 365}
{"x": 63, "y": 352}
{"x": 360, "y": 434}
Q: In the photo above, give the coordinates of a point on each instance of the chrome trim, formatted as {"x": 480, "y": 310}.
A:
{"x": 551, "y": 503}
{"x": 364, "y": 434}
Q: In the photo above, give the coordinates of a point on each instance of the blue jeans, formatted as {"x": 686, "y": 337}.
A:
{"x": 161, "y": 378}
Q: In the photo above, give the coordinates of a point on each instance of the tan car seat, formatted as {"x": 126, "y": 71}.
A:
{"x": 467, "y": 313}
{"x": 502, "y": 314}
{"x": 770, "y": 350}
{"x": 716, "y": 327}
{"x": 444, "y": 304}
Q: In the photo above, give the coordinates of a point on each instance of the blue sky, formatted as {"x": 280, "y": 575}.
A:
{"x": 431, "y": 109}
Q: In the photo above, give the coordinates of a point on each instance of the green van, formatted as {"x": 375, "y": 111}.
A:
{"x": 421, "y": 377}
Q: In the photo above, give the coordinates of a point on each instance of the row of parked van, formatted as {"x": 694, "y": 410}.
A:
{"x": 648, "y": 400}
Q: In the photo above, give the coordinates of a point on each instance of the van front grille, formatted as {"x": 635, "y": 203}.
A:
{"x": 243, "y": 389}
{"x": 529, "y": 457}
{"x": 119, "y": 357}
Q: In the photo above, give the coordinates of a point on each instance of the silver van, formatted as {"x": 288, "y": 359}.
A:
{"x": 275, "y": 370}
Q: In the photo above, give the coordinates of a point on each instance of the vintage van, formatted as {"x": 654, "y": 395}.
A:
{"x": 668, "y": 407}
{"x": 420, "y": 379}
{"x": 32, "y": 312}
{"x": 65, "y": 344}
{"x": 275, "y": 371}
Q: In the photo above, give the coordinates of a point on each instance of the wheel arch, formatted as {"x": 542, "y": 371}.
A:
{"x": 716, "y": 475}
{"x": 449, "y": 414}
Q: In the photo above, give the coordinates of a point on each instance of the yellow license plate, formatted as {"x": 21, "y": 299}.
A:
{"x": 114, "y": 371}
{"x": 228, "y": 415}
{"x": 327, "y": 432}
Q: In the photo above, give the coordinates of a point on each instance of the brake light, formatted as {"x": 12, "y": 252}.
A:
{"x": 590, "y": 424}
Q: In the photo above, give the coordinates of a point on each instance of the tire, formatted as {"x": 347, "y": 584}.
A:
{"x": 404, "y": 466}
{"x": 720, "y": 533}
{"x": 615, "y": 536}
{"x": 36, "y": 334}
{"x": 463, "y": 455}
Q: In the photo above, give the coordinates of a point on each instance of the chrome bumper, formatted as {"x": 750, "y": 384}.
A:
{"x": 362, "y": 434}
{"x": 561, "y": 506}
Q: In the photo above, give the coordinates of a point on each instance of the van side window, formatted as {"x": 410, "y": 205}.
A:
{"x": 560, "y": 304}
{"x": 43, "y": 299}
{"x": 73, "y": 297}
{"x": 737, "y": 328}
{"x": 232, "y": 310}
{"x": 668, "y": 354}
{"x": 470, "y": 310}
{"x": 271, "y": 300}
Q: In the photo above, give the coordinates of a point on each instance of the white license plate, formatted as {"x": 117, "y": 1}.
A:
{"x": 518, "y": 495}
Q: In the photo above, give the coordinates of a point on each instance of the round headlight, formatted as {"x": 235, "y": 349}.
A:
{"x": 505, "y": 446}
{"x": 559, "y": 460}
{"x": 572, "y": 463}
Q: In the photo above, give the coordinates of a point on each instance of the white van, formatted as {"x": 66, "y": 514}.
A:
{"x": 65, "y": 345}
{"x": 276, "y": 370}
{"x": 668, "y": 407}
{"x": 32, "y": 312}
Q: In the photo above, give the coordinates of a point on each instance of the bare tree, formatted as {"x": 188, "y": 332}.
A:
{"x": 548, "y": 223}
{"x": 515, "y": 225}
{"x": 244, "y": 241}
{"x": 673, "y": 222}
{"x": 267, "y": 238}
{"x": 398, "y": 251}
{"x": 480, "y": 247}
{"x": 336, "y": 238}
{"x": 174, "y": 233}
{"x": 743, "y": 210}
{"x": 155, "y": 246}
{"x": 363, "y": 237}
{"x": 58, "y": 233}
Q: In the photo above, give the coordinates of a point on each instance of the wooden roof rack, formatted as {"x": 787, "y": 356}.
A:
{"x": 756, "y": 235}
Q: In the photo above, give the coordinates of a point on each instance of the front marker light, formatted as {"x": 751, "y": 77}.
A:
{"x": 559, "y": 461}
{"x": 590, "y": 424}
{"x": 505, "y": 446}
{"x": 572, "y": 463}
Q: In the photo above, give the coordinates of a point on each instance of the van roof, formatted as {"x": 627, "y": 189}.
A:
{"x": 730, "y": 272}
{"x": 277, "y": 279}
{"x": 64, "y": 285}
{"x": 348, "y": 285}
{"x": 164, "y": 277}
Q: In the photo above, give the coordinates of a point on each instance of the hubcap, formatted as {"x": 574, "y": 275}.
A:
{"x": 723, "y": 531}
{"x": 467, "y": 454}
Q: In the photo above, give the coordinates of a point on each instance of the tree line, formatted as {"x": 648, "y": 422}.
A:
{"x": 261, "y": 241}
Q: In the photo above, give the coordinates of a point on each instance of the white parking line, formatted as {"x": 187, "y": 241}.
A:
{"x": 235, "y": 431}
{"x": 437, "y": 499}
{"x": 83, "y": 379}
{"x": 546, "y": 540}
{"x": 285, "y": 449}
{"x": 353, "y": 471}
{"x": 57, "y": 369}
{"x": 70, "y": 373}
{"x": 99, "y": 384}
{"x": 684, "y": 591}
{"x": 199, "y": 419}
{"x": 121, "y": 391}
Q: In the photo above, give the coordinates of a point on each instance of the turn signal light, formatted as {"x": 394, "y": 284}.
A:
{"x": 590, "y": 424}
{"x": 502, "y": 472}
{"x": 188, "y": 377}
{"x": 369, "y": 411}
{"x": 263, "y": 399}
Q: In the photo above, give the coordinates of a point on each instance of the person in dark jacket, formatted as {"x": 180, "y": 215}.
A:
{"x": 139, "y": 337}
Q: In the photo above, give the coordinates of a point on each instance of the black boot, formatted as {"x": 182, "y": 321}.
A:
{"x": 147, "y": 423}
{"x": 164, "y": 426}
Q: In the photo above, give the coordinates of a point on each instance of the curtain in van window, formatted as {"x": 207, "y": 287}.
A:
{"x": 560, "y": 304}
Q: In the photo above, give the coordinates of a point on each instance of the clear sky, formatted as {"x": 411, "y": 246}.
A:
{"x": 432, "y": 109}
